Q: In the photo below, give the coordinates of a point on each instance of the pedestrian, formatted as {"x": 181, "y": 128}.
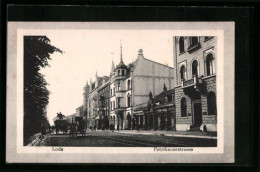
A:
{"x": 137, "y": 127}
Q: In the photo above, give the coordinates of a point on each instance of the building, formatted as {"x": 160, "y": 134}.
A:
{"x": 79, "y": 111}
{"x": 104, "y": 103}
{"x": 91, "y": 100}
{"x": 159, "y": 112}
{"x": 195, "y": 90}
{"x": 131, "y": 84}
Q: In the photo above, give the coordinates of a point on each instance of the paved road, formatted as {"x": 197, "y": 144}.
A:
{"x": 115, "y": 139}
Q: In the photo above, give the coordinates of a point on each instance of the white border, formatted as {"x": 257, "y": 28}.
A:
{"x": 38, "y": 27}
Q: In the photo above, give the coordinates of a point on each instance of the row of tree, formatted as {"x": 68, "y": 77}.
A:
{"x": 37, "y": 51}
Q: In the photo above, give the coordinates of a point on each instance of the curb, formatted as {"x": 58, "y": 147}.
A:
{"x": 174, "y": 135}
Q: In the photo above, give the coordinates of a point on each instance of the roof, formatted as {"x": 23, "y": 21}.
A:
{"x": 121, "y": 65}
{"x": 161, "y": 97}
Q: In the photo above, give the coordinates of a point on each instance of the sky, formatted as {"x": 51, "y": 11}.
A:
{"x": 89, "y": 51}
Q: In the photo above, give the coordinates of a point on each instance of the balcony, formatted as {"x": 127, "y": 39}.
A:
{"x": 118, "y": 77}
{"x": 192, "y": 85}
{"x": 193, "y": 47}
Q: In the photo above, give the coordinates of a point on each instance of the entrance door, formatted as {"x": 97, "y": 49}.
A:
{"x": 197, "y": 114}
{"x": 163, "y": 121}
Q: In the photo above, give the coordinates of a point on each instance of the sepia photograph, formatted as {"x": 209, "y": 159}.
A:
{"x": 113, "y": 88}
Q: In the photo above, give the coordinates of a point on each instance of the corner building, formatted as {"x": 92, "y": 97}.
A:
{"x": 131, "y": 84}
{"x": 195, "y": 90}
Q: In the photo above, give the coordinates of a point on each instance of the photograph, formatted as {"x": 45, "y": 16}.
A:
{"x": 114, "y": 88}
{"x": 141, "y": 102}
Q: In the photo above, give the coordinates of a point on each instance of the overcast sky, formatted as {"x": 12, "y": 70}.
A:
{"x": 88, "y": 51}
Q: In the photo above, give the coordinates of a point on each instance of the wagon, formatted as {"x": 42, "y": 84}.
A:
{"x": 77, "y": 126}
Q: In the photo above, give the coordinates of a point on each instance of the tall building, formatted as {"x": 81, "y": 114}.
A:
{"x": 104, "y": 103}
{"x": 91, "y": 100}
{"x": 131, "y": 84}
{"x": 195, "y": 90}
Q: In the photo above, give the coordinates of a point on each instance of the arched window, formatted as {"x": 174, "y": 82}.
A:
{"x": 181, "y": 44}
{"x": 210, "y": 64}
{"x": 111, "y": 92}
{"x": 118, "y": 72}
{"x": 194, "y": 40}
{"x": 183, "y": 73}
{"x": 128, "y": 100}
{"x": 212, "y": 106}
{"x": 129, "y": 84}
{"x": 183, "y": 107}
{"x": 195, "y": 68}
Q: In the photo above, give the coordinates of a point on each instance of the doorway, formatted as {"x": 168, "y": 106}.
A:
{"x": 197, "y": 111}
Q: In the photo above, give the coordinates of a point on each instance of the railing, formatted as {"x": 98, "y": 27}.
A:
{"x": 188, "y": 82}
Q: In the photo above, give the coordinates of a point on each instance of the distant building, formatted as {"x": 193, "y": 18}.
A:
{"x": 195, "y": 91}
{"x": 131, "y": 84}
{"x": 79, "y": 111}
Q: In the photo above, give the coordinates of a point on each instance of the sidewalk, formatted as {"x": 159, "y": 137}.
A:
{"x": 192, "y": 134}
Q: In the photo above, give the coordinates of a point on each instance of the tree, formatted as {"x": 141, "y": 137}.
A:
{"x": 37, "y": 51}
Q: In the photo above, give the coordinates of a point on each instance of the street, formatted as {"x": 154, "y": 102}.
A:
{"x": 117, "y": 139}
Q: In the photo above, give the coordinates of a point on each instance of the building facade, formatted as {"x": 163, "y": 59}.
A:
{"x": 104, "y": 103}
{"x": 195, "y": 90}
{"x": 159, "y": 112}
{"x": 131, "y": 84}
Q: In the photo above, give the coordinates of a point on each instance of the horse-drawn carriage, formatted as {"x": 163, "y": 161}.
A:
{"x": 73, "y": 124}
{"x": 77, "y": 126}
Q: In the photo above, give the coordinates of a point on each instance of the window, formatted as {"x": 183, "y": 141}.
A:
{"x": 195, "y": 68}
{"x": 123, "y": 72}
{"x": 194, "y": 41}
{"x": 111, "y": 105}
{"x": 114, "y": 105}
{"x": 118, "y": 86}
{"x": 118, "y": 72}
{"x": 212, "y": 109}
{"x": 210, "y": 64}
{"x": 207, "y": 38}
{"x": 118, "y": 102}
{"x": 169, "y": 98}
{"x": 181, "y": 44}
{"x": 183, "y": 73}
{"x": 114, "y": 91}
{"x": 111, "y": 92}
{"x": 183, "y": 107}
{"x": 128, "y": 100}
{"x": 129, "y": 84}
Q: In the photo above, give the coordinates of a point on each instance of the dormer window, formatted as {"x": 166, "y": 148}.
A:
{"x": 118, "y": 72}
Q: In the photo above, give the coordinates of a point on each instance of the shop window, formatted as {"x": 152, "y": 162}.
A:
{"x": 212, "y": 109}
{"x": 210, "y": 64}
{"x": 195, "y": 68}
{"x": 183, "y": 107}
{"x": 181, "y": 44}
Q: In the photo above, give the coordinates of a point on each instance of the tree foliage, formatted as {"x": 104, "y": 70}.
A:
{"x": 37, "y": 51}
